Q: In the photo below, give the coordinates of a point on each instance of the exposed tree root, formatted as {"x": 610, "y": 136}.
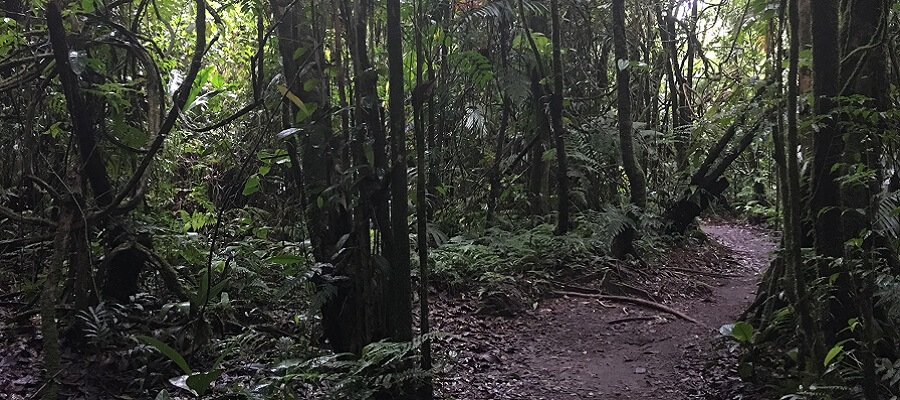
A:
{"x": 630, "y": 319}
{"x": 694, "y": 271}
{"x": 641, "y": 302}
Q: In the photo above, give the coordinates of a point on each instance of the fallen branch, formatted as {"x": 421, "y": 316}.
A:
{"x": 14, "y": 216}
{"x": 8, "y": 246}
{"x": 641, "y": 302}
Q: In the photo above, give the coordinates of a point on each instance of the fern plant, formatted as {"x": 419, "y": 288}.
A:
{"x": 383, "y": 367}
{"x": 98, "y": 322}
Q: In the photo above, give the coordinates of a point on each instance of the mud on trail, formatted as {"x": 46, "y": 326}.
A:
{"x": 576, "y": 347}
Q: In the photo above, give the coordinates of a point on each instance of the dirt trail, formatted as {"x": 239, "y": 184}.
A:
{"x": 580, "y": 348}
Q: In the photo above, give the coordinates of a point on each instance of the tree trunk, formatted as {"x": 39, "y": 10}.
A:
{"x": 808, "y": 329}
{"x": 556, "y": 103}
{"x": 864, "y": 71}
{"x": 49, "y": 328}
{"x": 347, "y": 317}
{"x": 426, "y": 391}
{"x": 500, "y": 141}
{"x": 542, "y": 130}
{"x": 828, "y": 146}
{"x": 623, "y": 242}
{"x": 399, "y": 321}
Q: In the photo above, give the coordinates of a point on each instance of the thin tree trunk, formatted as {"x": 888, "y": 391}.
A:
{"x": 556, "y": 103}
{"x": 49, "y": 327}
{"x": 341, "y": 82}
{"x": 808, "y": 329}
{"x": 499, "y": 142}
{"x": 542, "y": 132}
{"x": 623, "y": 243}
{"x": 667, "y": 36}
{"x": 426, "y": 391}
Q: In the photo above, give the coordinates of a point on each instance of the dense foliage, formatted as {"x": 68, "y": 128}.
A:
{"x": 198, "y": 186}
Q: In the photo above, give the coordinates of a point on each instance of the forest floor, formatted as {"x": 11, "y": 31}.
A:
{"x": 577, "y": 347}
{"x": 567, "y": 346}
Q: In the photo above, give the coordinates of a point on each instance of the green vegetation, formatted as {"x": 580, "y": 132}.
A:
{"x": 259, "y": 198}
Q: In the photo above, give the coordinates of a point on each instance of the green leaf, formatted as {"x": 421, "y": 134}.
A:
{"x": 200, "y": 381}
{"x": 742, "y": 332}
{"x": 549, "y": 155}
{"x": 285, "y": 259}
{"x": 833, "y": 353}
{"x": 299, "y": 52}
{"x": 173, "y": 354}
{"x": 306, "y": 112}
{"x": 203, "y": 292}
{"x": 87, "y": 6}
{"x": 252, "y": 185}
{"x": 163, "y": 395}
{"x": 261, "y": 233}
{"x": 216, "y": 80}
{"x": 181, "y": 382}
{"x": 218, "y": 288}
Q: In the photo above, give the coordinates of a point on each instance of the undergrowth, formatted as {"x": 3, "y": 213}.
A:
{"x": 507, "y": 268}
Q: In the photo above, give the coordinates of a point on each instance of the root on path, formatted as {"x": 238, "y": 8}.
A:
{"x": 641, "y": 302}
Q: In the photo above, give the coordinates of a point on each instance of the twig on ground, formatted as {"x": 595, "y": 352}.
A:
{"x": 633, "y": 300}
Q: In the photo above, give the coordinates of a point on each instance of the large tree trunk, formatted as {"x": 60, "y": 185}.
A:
{"x": 828, "y": 145}
{"x": 121, "y": 275}
{"x": 864, "y": 71}
{"x": 346, "y": 317}
{"x": 400, "y": 292}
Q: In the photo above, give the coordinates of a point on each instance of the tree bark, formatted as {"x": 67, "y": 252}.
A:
{"x": 808, "y": 329}
{"x": 828, "y": 144}
{"x": 426, "y": 390}
{"x": 623, "y": 243}
{"x": 346, "y": 316}
{"x": 400, "y": 304}
{"x": 559, "y": 132}
{"x": 91, "y": 155}
{"x": 864, "y": 71}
